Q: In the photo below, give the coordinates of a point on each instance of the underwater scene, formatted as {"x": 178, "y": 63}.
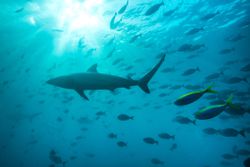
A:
{"x": 125, "y": 83}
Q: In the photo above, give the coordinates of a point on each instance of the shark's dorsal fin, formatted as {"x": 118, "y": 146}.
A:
{"x": 93, "y": 68}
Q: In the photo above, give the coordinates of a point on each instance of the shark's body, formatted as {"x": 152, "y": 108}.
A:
{"x": 92, "y": 80}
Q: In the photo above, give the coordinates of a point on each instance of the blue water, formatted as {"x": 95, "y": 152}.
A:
{"x": 42, "y": 125}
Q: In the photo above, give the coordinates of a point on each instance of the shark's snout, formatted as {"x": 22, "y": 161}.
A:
{"x": 63, "y": 82}
{"x": 48, "y": 82}
{"x": 51, "y": 82}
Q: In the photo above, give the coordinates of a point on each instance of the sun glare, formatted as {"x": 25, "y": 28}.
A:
{"x": 76, "y": 18}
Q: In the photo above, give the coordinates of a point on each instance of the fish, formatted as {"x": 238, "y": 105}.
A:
{"x": 100, "y": 113}
{"x": 242, "y": 152}
{"x": 235, "y": 38}
{"x": 193, "y": 96}
{"x": 19, "y": 10}
{"x": 154, "y": 8}
{"x": 227, "y": 156}
{"x": 173, "y": 147}
{"x": 214, "y": 76}
{"x": 123, "y": 8}
{"x": 112, "y": 135}
{"x": 190, "y": 71}
{"x": 134, "y": 38}
{"x": 194, "y": 31}
{"x": 244, "y": 24}
{"x": 55, "y": 158}
{"x": 245, "y": 68}
{"x": 57, "y": 30}
{"x": 213, "y": 110}
{"x": 170, "y": 12}
{"x": 157, "y": 161}
{"x": 210, "y": 131}
{"x": 236, "y": 110}
{"x": 166, "y": 136}
{"x": 190, "y": 47}
{"x": 209, "y": 16}
{"x": 124, "y": 117}
{"x": 150, "y": 140}
{"x": 113, "y": 24}
{"x": 93, "y": 80}
{"x": 121, "y": 144}
{"x": 226, "y": 51}
{"x": 184, "y": 120}
{"x": 168, "y": 69}
{"x": 81, "y": 43}
{"x": 230, "y": 132}
{"x": 235, "y": 80}
{"x": 247, "y": 142}
{"x": 111, "y": 52}
{"x": 117, "y": 61}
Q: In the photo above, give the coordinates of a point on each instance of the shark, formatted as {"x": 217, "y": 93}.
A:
{"x": 94, "y": 80}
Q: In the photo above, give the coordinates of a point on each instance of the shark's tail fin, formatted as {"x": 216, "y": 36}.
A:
{"x": 143, "y": 83}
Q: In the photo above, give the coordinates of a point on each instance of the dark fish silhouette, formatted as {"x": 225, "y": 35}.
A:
{"x": 134, "y": 38}
{"x": 209, "y": 16}
{"x": 166, "y": 136}
{"x": 190, "y": 47}
{"x": 235, "y": 80}
{"x": 194, "y": 31}
{"x": 235, "y": 38}
{"x": 173, "y": 147}
{"x": 193, "y": 96}
{"x": 157, "y": 161}
{"x": 92, "y": 80}
{"x": 170, "y": 12}
{"x": 122, "y": 9}
{"x": 190, "y": 71}
{"x": 245, "y": 68}
{"x": 226, "y": 51}
{"x": 227, "y": 156}
{"x": 113, "y": 24}
{"x": 124, "y": 117}
{"x": 150, "y": 140}
{"x": 112, "y": 135}
{"x": 184, "y": 120}
{"x": 121, "y": 144}
{"x": 214, "y": 76}
{"x": 230, "y": 132}
{"x": 19, "y": 10}
{"x": 214, "y": 110}
{"x": 153, "y": 9}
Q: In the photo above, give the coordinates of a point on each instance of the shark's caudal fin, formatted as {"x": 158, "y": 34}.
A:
{"x": 143, "y": 83}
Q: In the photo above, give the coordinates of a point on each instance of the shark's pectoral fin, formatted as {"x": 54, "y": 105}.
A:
{"x": 81, "y": 93}
{"x": 93, "y": 68}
